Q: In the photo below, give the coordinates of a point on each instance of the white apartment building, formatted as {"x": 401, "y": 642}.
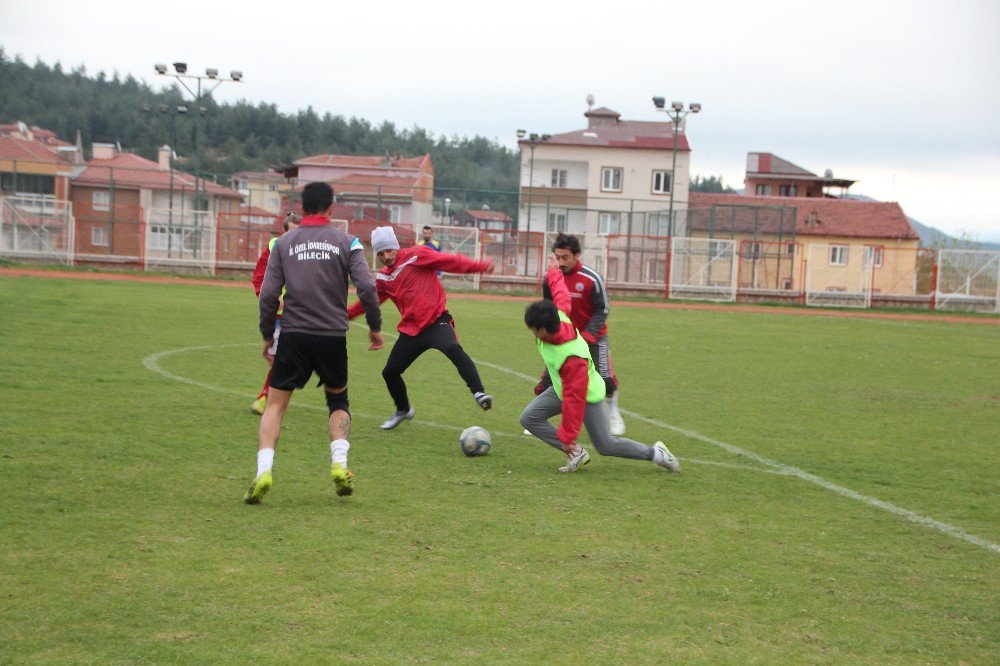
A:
{"x": 615, "y": 177}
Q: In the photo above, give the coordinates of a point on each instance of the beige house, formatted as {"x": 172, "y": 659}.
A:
{"x": 836, "y": 242}
{"x": 262, "y": 189}
{"x": 614, "y": 177}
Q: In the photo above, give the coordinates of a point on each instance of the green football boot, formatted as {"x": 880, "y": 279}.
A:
{"x": 259, "y": 486}
{"x": 343, "y": 479}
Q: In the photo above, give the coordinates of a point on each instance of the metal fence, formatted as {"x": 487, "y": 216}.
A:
{"x": 36, "y": 227}
{"x": 968, "y": 280}
{"x": 39, "y": 228}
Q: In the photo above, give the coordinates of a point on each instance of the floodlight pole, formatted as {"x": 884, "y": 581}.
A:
{"x": 532, "y": 141}
{"x": 676, "y": 113}
{"x": 211, "y": 74}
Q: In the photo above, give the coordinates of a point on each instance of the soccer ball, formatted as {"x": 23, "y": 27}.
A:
{"x": 475, "y": 441}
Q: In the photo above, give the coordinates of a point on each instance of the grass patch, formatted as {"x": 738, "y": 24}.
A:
{"x": 126, "y": 444}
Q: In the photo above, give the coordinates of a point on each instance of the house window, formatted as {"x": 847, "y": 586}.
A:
{"x": 655, "y": 270}
{"x": 658, "y": 225}
{"x": 873, "y": 254}
{"x": 786, "y": 283}
{"x": 272, "y": 188}
{"x": 788, "y": 190}
{"x": 838, "y": 255}
{"x": 790, "y": 249}
{"x": 558, "y": 178}
{"x": 99, "y": 236}
{"x": 557, "y": 222}
{"x": 716, "y": 248}
{"x": 101, "y": 200}
{"x": 611, "y": 179}
{"x": 395, "y": 214}
{"x": 20, "y": 183}
{"x": 160, "y": 238}
{"x": 751, "y": 250}
{"x": 661, "y": 182}
{"x": 273, "y": 202}
{"x": 609, "y": 223}
{"x": 763, "y": 190}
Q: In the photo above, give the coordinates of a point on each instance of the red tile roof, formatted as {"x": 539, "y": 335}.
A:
{"x": 256, "y": 212}
{"x": 39, "y": 134}
{"x": 833, "y": 217}
{"x": 772, "y": 164}
{"x": 487, "y": 215}
{"x": 365, "y": 161}
{"x": 266, "y": 176}
{"x": 359, "y": 183}
{"x": 623, "y": 134}
{"x": 764, "y": 166}
{"x": 18, "y": 148}
{"x": 130, "y": 171}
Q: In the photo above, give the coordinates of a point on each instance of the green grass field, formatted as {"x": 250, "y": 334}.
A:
{"x": 837, "y": 503}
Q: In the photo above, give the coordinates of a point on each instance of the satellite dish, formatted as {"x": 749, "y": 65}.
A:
{"x": 828, "y": 173}
{"x": 590, "y": 101}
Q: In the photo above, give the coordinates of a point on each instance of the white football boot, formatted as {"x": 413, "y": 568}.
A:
{"x": 576, "y": 460}
{"x": 398, "y": 418}
{"x": 664, "y": 458}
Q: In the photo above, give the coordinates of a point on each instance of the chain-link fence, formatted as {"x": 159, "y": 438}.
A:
{"x": 732, "y": 252}
{"x": 36, "y": 228}
{"x": 968, "y": 280}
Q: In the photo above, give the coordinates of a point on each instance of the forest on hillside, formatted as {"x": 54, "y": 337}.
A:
{"x": 233, "y": 137}
{"x": 241, "y": 136}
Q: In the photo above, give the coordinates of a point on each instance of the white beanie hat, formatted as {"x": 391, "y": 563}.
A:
{"x": 384, "y": 238}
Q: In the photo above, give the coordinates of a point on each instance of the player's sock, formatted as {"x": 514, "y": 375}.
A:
{"x": 338, "y": 451}
{"x": 265, "y": 460}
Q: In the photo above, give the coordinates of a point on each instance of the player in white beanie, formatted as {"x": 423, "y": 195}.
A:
{"x": 384, "y": 238}
{"x": 409, "y": 278}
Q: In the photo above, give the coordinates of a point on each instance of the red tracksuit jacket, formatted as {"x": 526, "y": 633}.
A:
{"x": 414, "y": 288}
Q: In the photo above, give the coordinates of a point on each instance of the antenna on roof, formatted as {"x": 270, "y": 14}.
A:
{"x": 590, "y": 102}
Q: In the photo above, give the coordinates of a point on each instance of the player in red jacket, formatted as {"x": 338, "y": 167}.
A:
{"x": 409, "y": 279}
{"x": 589, "y": 313}
{"x": 292, "y": 221}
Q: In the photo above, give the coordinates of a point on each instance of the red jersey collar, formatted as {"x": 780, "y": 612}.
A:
{"x": 315, "y": 221}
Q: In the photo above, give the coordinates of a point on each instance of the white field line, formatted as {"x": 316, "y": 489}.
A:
{"x": 151, "y": 362}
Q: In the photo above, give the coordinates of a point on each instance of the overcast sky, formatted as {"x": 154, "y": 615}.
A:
{"x": 901, "y": 95}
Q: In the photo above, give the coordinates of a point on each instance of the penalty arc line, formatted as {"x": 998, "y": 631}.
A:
{"x": 151, "y": 363}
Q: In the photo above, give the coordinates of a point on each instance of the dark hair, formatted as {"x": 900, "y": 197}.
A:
{"x": 542, "y": 315}
{"x": 566, "y": 242}
{"x": 427, "y": 227}
{"x": 290, "y": 219}
{"x": 316, "y": 198}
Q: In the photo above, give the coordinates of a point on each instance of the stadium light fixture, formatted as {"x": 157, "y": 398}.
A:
{"x": 676, "y": 113}
{"x": 197, "y": 95}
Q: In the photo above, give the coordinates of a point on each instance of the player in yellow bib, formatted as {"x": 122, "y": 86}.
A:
{"x": 292, "y": 221}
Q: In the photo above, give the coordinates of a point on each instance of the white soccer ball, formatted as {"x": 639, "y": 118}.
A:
{"x": 475, "y": 441}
